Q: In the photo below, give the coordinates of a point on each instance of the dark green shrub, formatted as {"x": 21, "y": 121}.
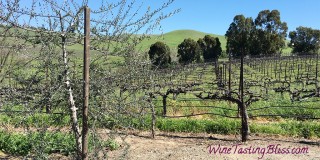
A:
{"x": 159, "y": 54}
{"x": 189, "y": 51}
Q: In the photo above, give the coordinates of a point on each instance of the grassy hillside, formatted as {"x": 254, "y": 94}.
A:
{"x": 174, "y": 38}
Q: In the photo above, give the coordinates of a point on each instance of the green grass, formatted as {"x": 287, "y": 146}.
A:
{"x": 218, "y": 126}
{"x": 30, "y": 143}
{"x": 174, "y": 38}
{"x": 305, "y": 129}
{"x": 36, "y": 120}
{"x": 41, "y": 144}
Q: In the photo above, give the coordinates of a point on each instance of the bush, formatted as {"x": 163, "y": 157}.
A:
{"x": 159, "y": 54}
{"x": 304, "y": 40}
{"x": 211, "y": 48}
{"x": 189, "y": 51}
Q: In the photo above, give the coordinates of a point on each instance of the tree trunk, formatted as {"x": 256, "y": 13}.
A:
{"x": 244, "y": 123}
{"x": 153, "y": 116}
{"x": 153, "y": 125}
{"x": 242, "y": 106}
{"x": 73, "y": 108}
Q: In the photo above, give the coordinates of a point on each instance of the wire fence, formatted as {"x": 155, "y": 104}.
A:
{"x": 128, "y": 95}
{"x": 292, "y": 78}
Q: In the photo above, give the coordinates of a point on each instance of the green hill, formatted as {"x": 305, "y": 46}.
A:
{"x": 174, "y": 38}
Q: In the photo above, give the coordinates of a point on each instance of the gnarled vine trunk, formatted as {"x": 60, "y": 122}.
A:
{"x": 244, "y": 123}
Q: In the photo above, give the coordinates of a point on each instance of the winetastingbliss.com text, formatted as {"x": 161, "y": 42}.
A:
{"x": 260, "y": 151}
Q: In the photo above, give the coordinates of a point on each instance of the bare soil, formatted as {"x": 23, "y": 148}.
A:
{"x": 138, "y": 145}
{"x": 185, "y": 146}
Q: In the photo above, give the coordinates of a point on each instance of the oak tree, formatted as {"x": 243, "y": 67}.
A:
{"x": 159, "y": 54}
{"x": 211, "y": 47}
{"x": 265, "y": 35}
{"x": 189, "y": 51}
{"x": 238, "y": 36}
{"x": 269, "y": 33}
{"x": 304, "y": 40}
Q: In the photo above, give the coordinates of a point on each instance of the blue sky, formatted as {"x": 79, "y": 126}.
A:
{"x": 215, "y": 16}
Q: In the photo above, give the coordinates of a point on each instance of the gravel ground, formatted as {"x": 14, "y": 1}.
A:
{"x": 136, "y": 145}
{"x": 185, "y": 146}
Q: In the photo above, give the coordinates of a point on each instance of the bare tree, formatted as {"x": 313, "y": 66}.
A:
{"x": 51, "y": 26}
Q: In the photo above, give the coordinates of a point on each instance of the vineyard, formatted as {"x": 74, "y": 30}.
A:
{"x": 71, "y": 85}
{"x": 275, "y": 89}
{"x": 293, "y": 79}
{"x": 281, "y": 93}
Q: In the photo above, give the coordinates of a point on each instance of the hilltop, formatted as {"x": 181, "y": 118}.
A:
{"x": 174, "y": 38}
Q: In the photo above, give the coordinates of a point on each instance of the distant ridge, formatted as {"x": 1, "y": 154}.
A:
{"x": 174, "y": 38}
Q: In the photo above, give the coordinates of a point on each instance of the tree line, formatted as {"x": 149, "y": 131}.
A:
{"x": 263, "y": 36}
{"x": 205, "y": 49}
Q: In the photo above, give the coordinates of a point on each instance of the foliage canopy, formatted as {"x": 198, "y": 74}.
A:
{"x": 305, "y": 40}
{"x": 264, "y": 36}
{"x": 211, "y": 47}
{"x": 159, "y": 54}
{"x": 189, "y": 51}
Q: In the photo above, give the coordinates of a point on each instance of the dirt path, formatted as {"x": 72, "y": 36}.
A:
{"x": 185, "y": 146}
{"x": 136, "y": 145}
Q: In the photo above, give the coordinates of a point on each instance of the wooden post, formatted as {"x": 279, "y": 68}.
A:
{"x": 317, "y": 82}
{"x": 298, "y": 71}
{"x": 268, "y": 69}
{"x": 229, "y": 74}
{"x": 285, "y": 71}
{"x": 164, "y": 103}
{"x": 225, "y": 73}
{"x": 86, "y": 83}
{"x": 275, "y": 70}
{"x": 229, "y": 80}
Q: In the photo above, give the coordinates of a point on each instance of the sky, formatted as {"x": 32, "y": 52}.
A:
{"x": 215, "y": 16}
